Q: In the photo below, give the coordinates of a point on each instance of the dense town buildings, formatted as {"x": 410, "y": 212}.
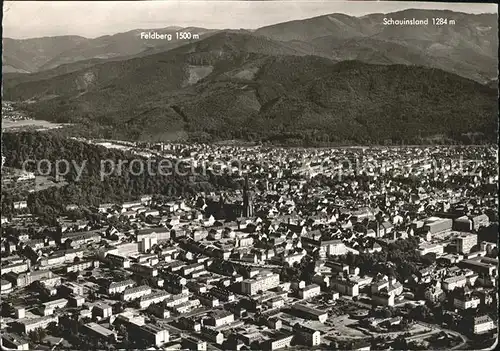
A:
{"x": 295, "y": 256}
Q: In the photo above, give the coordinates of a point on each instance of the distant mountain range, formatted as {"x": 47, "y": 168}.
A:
{"x": 39, "y": 54}
{"x": 336, "y": 78}
{"x": 468, "y": 47}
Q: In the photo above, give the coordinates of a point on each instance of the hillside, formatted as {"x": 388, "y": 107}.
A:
{"x": 13, "y": 78}
{"x": 30, "y": 54}
{"x": 39, "y": 54}
{"x": 229, "y": 86}
{"x": 90, "y": 189}
{"x": 417, "y": 52}
{"x": 468, "y": 30}
{"x": 468, "y": 47}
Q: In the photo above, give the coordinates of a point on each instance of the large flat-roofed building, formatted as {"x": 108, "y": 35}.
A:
{"x": 17, "y": 267}
{"x": 222, "y": 294}
{"x": 6, "y": 287}
{"x": 24, "y": 279}
{"x": 102, "y": 310}
{"x": 425, "y": 248}
{"x": 155, "y": 297}
{"x": 310, "y": 291}
{"x": 436, "y": 225}
{"x": 80, "y": 238}
{"x": 69, "y": 288}
{"x": 81, "y": 266}
{"x": 310, "y": 313}
{"x": 277, "y": 340}
{"x": 99, "y": 331}
{"x": 487, "y": 246}
{"x": 483, "y": 324}
{"x": 152, "y": 334}
{"x": 160, "y": 233}
{"x": 117, "y": 260}
{"x": 49, "y": 307}
{"x": 465, "y": 242}
{"x": 126, "y": 249}
{"x": 177, "y": 299}
{"x": 212, "y": 334}
{"x": 452, "y": 283}
{"x": 328, "y": 247}
{"x": 187, "y": 306}
{"x": 306, "y": 335}
{"x": 383, "y": 298}
{"x": 260, "y": 283}
{"x": 345, "y": 286}
{"x": 463, "y": 224}
{"x": 195, "y": 344}
{"x": 143, "y": 269}
{"x": 31, "y": 324}
{"x": 14, "y": 342}
{"x": 466, "y": 302}
{"x": 479, "y": 221}
{"x": 136, "y": 292}
{"x": 220, "y": 318}
{"x": 481, "y": 265}
{"x": 159, "y": 310}
{"x": 57, "y": 259}
{"x": 119, "y": 287}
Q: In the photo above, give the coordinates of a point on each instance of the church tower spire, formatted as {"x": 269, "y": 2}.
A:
{"x": 247, "y": 199}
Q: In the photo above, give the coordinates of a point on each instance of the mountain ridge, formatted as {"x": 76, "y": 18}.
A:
{"x": 230, "y": 87}
{"x": 471, "y": 38}
{"x": 237, "y": 84}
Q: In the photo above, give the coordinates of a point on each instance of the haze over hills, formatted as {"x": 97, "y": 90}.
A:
{"x": 38, "y": 54}
{"x": 467, "y": 47}
{"x": 478, "y": 31}
{"x": 349, "y": 78}
{"x": 28, "y": 55}
{"x": 234, "y": 85}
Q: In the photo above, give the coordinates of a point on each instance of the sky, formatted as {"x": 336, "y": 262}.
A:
{"x": 32, "y": 19}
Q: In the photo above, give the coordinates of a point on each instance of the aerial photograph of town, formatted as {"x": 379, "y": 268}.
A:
{"x": 249, "y": 175}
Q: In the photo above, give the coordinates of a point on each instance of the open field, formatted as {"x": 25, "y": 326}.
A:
{"x": 340, "y": 327}
{"x": 29, "y": 124}
{"x": 40, "y": 183}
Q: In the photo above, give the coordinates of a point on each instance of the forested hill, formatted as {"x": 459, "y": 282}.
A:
{"x": 90, "y": 189}
{"x": 284, "y": 99}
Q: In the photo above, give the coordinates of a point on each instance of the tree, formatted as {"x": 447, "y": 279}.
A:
{"x": 493, "y": 253}
{"x": 54, "y": 328}
{"x": 86, "y": 320}
{"x": 387, "y": 313}
{"x": 428, "y": 259}
{"x": 122, "y": 330}
{"x": 119, "y": 307}
{"x": 350, "y": 259}
{"x": 33, "y": 336}
{"x": 37, "y": 335}
{"x": 400, "y": 343}
{"x": 421, "y": 313}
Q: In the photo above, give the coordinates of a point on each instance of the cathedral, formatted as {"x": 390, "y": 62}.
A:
{"x": 248, "y": 198}
{"x": 230, "y": 207}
